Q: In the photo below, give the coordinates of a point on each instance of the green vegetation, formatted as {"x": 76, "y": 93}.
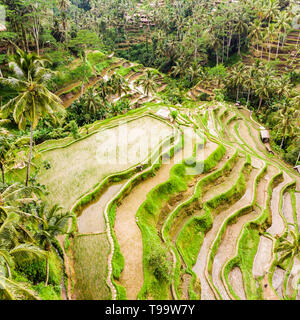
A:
{"x": 101, "y": 94}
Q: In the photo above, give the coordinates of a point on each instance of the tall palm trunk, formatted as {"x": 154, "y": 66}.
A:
{"x": 278, "y": 44}
{"x": 229, "y": 43}
{"x": 2, "y": 171}
{"x": 47, "y": 270}
{"x": 260, "y": 103}
{"x": 297, "y": 159}
{"x": 248, "y": 97}
{"x": 282, "y": 141}
{"x": 237, "y": 93}
{"x": 30, "y": 154}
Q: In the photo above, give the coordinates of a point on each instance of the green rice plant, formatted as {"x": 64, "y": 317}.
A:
{"x": 90, "y": 256}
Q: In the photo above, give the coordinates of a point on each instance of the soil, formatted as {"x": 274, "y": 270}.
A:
{"x": 268, "y": 293}
{"x": 236, "y": 280}
{"x": 91, "y": 219}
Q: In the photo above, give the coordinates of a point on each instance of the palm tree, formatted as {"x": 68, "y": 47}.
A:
{"x": 104, "y": 89}
{"x": 34, "y": 101}
{"x": 195, "y": 71}
{"x": 148, "y": 82}
{"x": 282, "y": 86}
{"x": 179, "y": 68}
{"x": 270, "y": 33}
{"x": 255, "y": 32}
{"x": 289, "y": 248}
{"x": 14, "y": 196}
{"x": 53, "y": 224}
{"x": 14, "y": 250}
{"x": 271, "y": 10}
{"x": 250, "y": 80}
{"x": 241, "y": 27}
{"x": 118, "y": 85}
{"x": 287, "y": 121}
{"x": 282, "y": 25}
{"x": 92, "y": 100}
{"x": 5, "y": 146}
{"x": 237, "y": 77}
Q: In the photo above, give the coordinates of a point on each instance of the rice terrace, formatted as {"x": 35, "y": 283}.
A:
{"x": 156, "y": 157}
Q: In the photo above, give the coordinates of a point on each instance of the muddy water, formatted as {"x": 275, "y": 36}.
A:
{"x": 236, "y": 280}
{"x": 277, "y": 226}
{"x": 268, "y": 293}
{"x": 277, "y": 281}
{"x": 228, "y": 244}
{"x": 263, "y": 257}
{"x": 287, "y": 208}
{"x": 92, "y": 219}
{"x": 127, "y": 231}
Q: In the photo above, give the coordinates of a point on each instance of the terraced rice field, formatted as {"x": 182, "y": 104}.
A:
{"x": 200, "y": 219}
{"x": 211, "y": 209}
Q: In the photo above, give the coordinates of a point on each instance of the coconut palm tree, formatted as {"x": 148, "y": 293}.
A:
{"x": 288, "y": 248}
{"x": 53, "y": 223}
{"x": 250, "y": 80}
{"x": 14, "y": 250}
{"x": 104, "y": 89}
{"x": 13, "y": 197}
{"x": 179, "y": 68}
{"x": 5, "y": 147}
{"x": 287, "y": 121}
{"x": 283, "y": 23}
{"x": 241, "y": 27}
{"x": 34, "y": 101}
{"x": 148, "y": 82}
{"x": 271, "y": 10}
{"x": 255, "y": 32}
{"x": 237, "y": 77}
{"x": 271, "y": 31}
{"x": 92, "y": 101}
{"x": 282, "y": 86}
{"x": 119, "y": 85}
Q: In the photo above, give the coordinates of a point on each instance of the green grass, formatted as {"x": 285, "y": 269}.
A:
{"x": 90, "y": 264}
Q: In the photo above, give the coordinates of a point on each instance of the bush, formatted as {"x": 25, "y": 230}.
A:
{"x": 74, "y": 129}
{"x": 35, "y": 270}
{"x": 159, "y": 263}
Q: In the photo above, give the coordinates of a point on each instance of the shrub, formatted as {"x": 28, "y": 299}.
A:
{"x": 160, "y": 264}
{"x": 74, "y": 129}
